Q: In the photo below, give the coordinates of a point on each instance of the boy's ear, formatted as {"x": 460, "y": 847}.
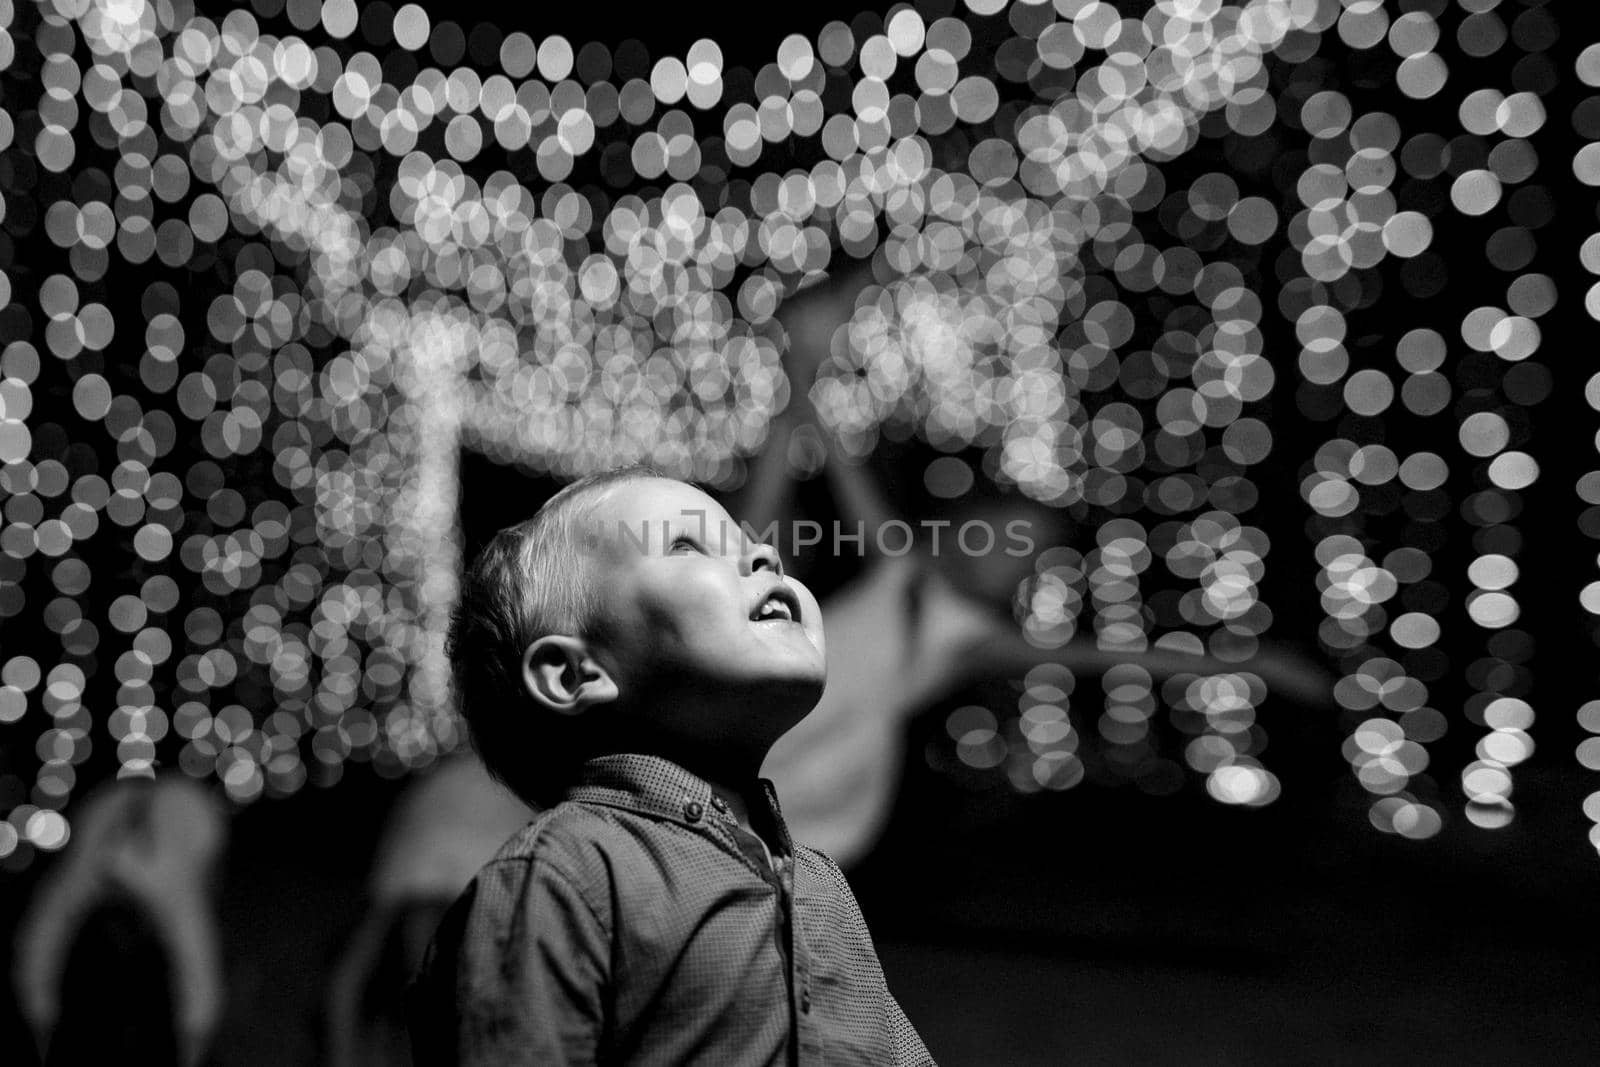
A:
{"x": 561, "y": 675}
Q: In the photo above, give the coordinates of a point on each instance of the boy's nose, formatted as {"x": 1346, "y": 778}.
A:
{"x": 762, "y": 557}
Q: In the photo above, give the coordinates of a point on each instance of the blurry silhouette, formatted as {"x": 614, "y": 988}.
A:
{"x": 117, "y": 957}
{"x": 915, "y": 628}
{"x": 447, "y": 824}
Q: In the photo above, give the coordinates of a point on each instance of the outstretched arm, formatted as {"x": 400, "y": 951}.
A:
{"x": 768, "y": 493}
{"x": 810, "y": 319}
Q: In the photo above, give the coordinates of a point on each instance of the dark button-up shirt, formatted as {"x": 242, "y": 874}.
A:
{"x": 638, "y": 923}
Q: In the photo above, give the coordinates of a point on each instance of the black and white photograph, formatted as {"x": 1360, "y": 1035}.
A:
{"x": 978, "y": 533}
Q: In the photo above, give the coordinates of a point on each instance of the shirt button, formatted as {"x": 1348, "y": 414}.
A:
{"x": 692, "y": 810}
{"x": 805, "y": 1001}
{"x": 719, "y": 805}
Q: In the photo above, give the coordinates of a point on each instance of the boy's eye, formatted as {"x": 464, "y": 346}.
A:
{"x": 684, "y": 541}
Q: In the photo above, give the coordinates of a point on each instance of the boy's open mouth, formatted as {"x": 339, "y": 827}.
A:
{"x": 778, "y": 605}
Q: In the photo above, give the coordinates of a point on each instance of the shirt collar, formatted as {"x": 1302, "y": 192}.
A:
{"x": 655, "y": 786}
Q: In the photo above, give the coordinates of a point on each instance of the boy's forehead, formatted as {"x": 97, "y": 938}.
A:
{"x": 656, "y": 504}
{"x": 653, "y": 498}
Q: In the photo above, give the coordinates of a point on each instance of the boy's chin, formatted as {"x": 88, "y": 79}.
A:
{"x": 803, "y": 680}
{"x": 788, "y": 676}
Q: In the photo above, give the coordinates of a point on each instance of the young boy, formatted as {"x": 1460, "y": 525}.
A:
{"x": 628, "y": 651}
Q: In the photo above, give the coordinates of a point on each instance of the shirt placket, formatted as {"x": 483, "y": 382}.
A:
{"x": 808, "y": 1036}
{"x": 778, "y": 872}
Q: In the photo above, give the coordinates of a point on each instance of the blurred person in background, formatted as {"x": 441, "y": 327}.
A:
{"x": 914, "y": 628}
{"x": 446, "y": 825}
{"x": 117, "y": 958}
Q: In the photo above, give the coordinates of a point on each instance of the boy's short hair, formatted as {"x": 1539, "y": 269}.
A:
{"x": 531, "y": 580}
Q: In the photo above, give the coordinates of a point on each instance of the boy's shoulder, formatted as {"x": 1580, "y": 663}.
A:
{"x": 567, "y": 836}
{"x": 825, "y": 875}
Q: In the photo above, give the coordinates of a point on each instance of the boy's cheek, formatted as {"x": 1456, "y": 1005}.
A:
{"x": 694, "y": 600}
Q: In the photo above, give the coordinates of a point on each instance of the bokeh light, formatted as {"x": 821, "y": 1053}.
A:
{"x": 349, "y": 247}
